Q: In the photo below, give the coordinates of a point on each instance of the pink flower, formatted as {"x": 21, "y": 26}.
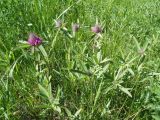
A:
{"x": 34, "y": 40}
{"x": 58, "y": 23}
{"x": 75, "y": 27}
{"x": 96, "y": 29}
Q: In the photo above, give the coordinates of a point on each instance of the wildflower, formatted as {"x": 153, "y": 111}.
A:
{"x": 34, "y": 40}
{"x": 75, "y": 27}
{"x": 58, "y": 23}
{"x": 96, "y": 29}
{"x": 141, "y": 51}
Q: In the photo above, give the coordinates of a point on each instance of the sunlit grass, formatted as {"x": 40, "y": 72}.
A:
{"x": 102, "y": 62}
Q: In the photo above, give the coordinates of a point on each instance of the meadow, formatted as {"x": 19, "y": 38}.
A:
{"x": 79, "y": 59}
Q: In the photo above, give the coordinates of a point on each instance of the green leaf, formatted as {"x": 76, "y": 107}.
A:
{"x": 145, "y": 45}
{"x": 43, "y": 106}
{"x": 120, "y": 73}
{"x": 77, "y": 113}
{"x": 50, "y": 90}
{"x": 58, "y": 109}
{"x": 56, "y": 101}
{"x": 156, "y": 117}
{"x": 125, "y": 90}
{"x": 98, "y": 93}
{"x": 137, "y": 44}
{"x": 23, "y": 42}
{"x": 54, "y": 40}
{"x": 43, "y": 91}
{"x": 68, "y": 112}
{"x": 108, "y": 89}
{"x": 104, "y": 69}
{"x": 43, "y": 51}
{"x": 131, "y": 71}
{"x": 105, "y": 60}
{"x": 106, "y": 109}
{"x": 154, "y": 74}
{"x": 21, "y": 47}
{"x": 12, "y": 68}
{"x": 99, "y": 56}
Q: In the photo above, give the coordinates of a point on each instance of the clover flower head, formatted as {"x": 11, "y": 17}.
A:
{"x": 96, "y": 29}
{"x": 75, "y": 27}
{"x": 34, "y": 40}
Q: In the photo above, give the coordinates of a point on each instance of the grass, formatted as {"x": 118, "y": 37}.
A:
{"x": 116, "y": 76}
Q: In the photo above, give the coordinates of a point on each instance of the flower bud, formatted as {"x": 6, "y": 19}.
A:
{"x": 75, "y": 27}
{"x": 58, "y": 23}
{"x": 96, "y": 29}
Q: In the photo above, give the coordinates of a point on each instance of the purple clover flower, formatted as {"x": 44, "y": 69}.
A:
{"x": 96, "y": 29}
{"x": 34, "y": 40}
{"x": 75, "y": 27}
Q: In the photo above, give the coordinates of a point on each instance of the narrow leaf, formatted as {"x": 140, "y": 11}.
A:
{"x": 145, "y": 45}
{"x": 43, "y": 91}
{"x": 77, "y": 113}
{"x": 43, "y": 51}
{"x": 13, "y": 66}
{"x": 98, "y": 93}
{"x": 68, "y": 112}
{"x": 125, "y": 90}
{"x": 137, "y": 44}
